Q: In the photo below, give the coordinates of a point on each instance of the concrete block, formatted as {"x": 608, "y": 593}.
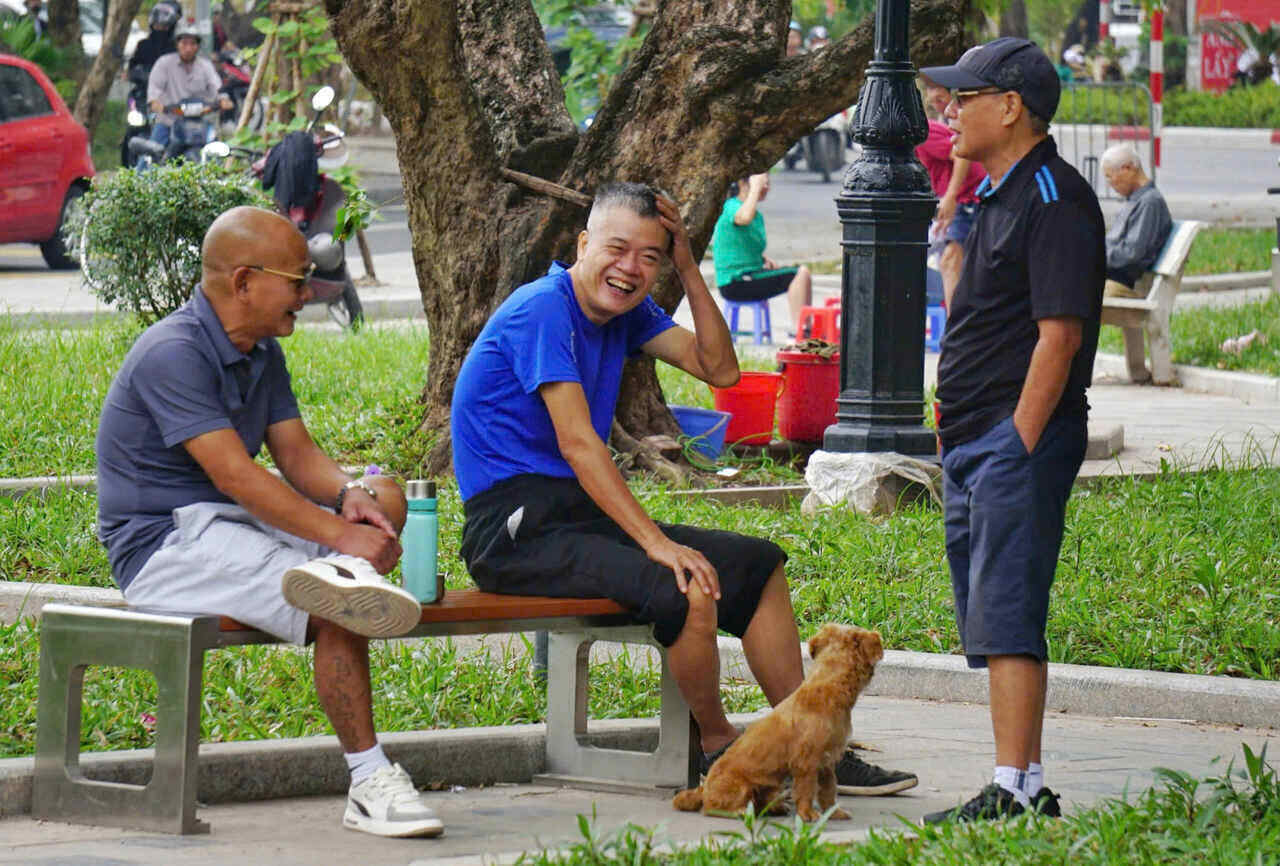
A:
{"x": 1104, "y": 441}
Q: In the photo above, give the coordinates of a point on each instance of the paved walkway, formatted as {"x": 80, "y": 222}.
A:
{"x": 947, "y": 744}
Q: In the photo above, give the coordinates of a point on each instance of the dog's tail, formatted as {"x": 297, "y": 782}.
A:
{"x": 689, "y": 800}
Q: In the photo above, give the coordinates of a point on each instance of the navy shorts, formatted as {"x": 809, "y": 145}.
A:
{"x": 758, "y": 285}
{"x": 1004, "y": 511}
{"x": 538, "y": 535}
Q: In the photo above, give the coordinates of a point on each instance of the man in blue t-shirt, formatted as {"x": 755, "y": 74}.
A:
{"x": 192, "y": 523}
{"x": 548, "y": 513}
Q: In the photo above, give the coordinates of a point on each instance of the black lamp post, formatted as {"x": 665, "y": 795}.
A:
{"x": 885, "y": 207}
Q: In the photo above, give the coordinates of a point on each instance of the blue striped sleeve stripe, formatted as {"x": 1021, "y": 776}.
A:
{"x": 1048, "y": 189}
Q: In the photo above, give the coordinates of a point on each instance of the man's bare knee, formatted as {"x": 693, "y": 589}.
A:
{"x": 702, "y": 615}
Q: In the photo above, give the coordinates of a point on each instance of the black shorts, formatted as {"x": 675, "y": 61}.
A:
{"x": 758, "y": 285}
{"x": 563, "y": 545}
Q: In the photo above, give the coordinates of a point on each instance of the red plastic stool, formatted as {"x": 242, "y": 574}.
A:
{"x": 821, "y": 323}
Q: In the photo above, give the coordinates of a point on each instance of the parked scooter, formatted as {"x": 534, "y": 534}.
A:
{"x": 191, "y": 131}
{"x": 236, "y": 75}
{"x": 311, "y": 199}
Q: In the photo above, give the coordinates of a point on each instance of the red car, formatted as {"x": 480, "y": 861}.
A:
{"x": 44, "y": 160}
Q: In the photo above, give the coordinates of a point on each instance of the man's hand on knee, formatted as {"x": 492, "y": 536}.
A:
{"x": 380, "y": 547}
{"x": 688, "y": 564}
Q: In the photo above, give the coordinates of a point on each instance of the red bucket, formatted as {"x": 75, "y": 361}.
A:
{"x": 808, "y": 404}
{"x": 751, "y": 402}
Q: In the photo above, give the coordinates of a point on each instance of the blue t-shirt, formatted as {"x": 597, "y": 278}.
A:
{"x": 183, "y": 377}
{"x": 501, "y": 428}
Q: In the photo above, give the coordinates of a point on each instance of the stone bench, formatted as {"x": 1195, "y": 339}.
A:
{"x": 172, "y": 647}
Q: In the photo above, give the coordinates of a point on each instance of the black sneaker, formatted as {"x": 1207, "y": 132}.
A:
{"x": 705, "y": 761}
{"x": 1047, "y": 803}
{"x": 855, "y": 777}
{"x": 991, "y": 803}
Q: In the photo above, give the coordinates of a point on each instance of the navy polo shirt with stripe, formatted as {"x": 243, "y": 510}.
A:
{"x": 1037, "y": 250}
{"x": 183, "y": 377}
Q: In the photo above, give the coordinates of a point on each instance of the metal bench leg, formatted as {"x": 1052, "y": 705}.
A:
{"x": 571, "y": 761}
{"x": 1135, "y": 355}
{"x": 172, "y": 648}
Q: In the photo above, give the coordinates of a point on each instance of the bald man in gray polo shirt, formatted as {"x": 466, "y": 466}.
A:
{"x": 193, "y": 524}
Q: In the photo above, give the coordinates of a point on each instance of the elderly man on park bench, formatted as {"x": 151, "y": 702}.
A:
{"x": 548, "y": 513}
{"x": 193, "y": 524}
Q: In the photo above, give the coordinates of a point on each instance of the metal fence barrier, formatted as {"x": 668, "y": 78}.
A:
{"x": 1093, "y": 116}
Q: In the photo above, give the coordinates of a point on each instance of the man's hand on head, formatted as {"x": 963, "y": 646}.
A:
{"x": 669, "y": 216}
{"x": 687, "y": 564}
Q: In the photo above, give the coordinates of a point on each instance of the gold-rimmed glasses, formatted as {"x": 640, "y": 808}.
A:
{"x": 299, "y": 280}
{"x": 962, "y": 96}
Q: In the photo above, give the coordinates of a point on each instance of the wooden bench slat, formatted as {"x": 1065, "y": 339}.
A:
{"x": 473, "y": 605}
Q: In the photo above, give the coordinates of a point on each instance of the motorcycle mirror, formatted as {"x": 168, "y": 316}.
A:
{"x": 323, "y": 99}
{"x": 214, "y": 150}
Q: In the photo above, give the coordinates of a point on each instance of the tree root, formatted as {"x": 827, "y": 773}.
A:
{"x": 647, "y": 456}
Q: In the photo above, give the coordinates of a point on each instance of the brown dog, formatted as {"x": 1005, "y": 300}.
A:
{"x": 802, "y": 738}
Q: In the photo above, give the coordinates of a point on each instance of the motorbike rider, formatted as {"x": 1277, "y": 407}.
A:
{"x": 182, "y": 75}
{"x": 818, "y": 37}
{"x": 162, "y": 18}
{"x": 795, "y": 39}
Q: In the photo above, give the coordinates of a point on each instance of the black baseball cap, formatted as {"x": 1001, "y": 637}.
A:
{"x": 1010, "y": 64}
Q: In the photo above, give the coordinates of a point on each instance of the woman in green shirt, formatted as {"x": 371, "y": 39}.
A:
{"x": 743, "y": 272}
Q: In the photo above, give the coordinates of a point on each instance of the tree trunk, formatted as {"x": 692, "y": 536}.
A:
{"x": 93, "y": 93}
{"x": 469, "y": 88}
{"x": 64, "y": 33}
{"x": 1013, "y": 20}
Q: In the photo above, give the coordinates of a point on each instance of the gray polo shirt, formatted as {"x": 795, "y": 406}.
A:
{"x": 172, "y": 81}
{"x": 182, "y": 378}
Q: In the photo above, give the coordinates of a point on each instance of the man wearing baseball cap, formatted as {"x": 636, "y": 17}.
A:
{"x": 1017, "y": 356}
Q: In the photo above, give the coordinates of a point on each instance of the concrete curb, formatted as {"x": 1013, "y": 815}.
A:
{"x": 309, "y": 766}
{"x": 1079, "y": 689}
{"x": 1249, "y": 387}
{"x": 1226, "y": 282}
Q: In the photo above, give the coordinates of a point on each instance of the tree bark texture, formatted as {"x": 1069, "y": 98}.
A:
{"x": 93, "y": 92}
{"x": 64, "y": 33}
{"x": 469, "y": 88}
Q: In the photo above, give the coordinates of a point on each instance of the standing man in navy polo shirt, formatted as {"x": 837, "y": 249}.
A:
{"x": 548, "y": 513}
{"x": 192, "y": 523}
{"x": 1016, "y": 359}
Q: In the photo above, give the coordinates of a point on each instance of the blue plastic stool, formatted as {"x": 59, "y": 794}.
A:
{"x": 935, "y": 322}
{"x": 763, "y": 327}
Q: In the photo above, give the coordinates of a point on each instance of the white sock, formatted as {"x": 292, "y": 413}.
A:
{"x": 1013, "y": 780}
{"x": 1035, "y": 779}
{"x": 364, "y": 764}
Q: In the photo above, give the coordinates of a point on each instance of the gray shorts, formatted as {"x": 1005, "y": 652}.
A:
{"x": 220, "y": 559}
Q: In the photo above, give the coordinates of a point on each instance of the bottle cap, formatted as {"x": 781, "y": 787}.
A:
{"x": 420, "y": 488}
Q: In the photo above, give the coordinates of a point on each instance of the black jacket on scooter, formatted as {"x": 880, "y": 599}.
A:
{"x": 292, "y": 172}
{"x": 150, "y": 49}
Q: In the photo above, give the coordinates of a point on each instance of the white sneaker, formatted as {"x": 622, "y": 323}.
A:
{"x": 347, "y": 591}
{"x": 387, "y": 804}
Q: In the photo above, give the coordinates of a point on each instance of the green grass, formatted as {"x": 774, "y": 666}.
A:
{"x": 358, "y": 393}
{"x": 1197, "y": 334}
{"x": 1232, "y": 819}
{"x": 1171, "y": 574}
{"x": 105, "y": 147}
{"x": 1230, "y": 251}
{"x": 256, "y": 692}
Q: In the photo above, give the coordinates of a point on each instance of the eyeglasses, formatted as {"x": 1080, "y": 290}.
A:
{"x": 963, "y": 96}
{"x": 299, "y": 280}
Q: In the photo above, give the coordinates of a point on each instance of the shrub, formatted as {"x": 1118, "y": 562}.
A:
{"x": 138, "y": 234}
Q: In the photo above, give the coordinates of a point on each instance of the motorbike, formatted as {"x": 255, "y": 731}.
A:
{"x": 190, "y": 132}
{"x": 293, "y": 168}
{"x": 236, "y": 75}
{"x": 137, "y": 118}
{"x": 824, "y": 147}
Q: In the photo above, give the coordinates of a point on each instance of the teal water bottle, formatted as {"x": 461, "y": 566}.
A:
{"x": 421, "y": 532}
